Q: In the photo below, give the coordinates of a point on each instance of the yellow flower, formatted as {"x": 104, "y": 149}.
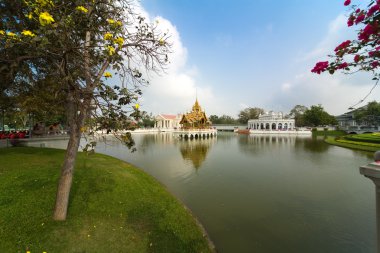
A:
{"x": 111, "y": 50}
{"x": 119, "y": 23}
{"x": 82, "y": 9}
{"x": 107, "y": 74}
{"x": 45, "y": 18}
{"x": 30, "y": 15}
{"x": 119, "y": 41}
{"x": 161, "y": 42}
{"x": 28, "y": 33}
{"x": 137, "y": 106}
{"x": 108, "y": 36}
{"x": 2, "y": 32}
{"x": 110, "y": 21}
{"x": 43, "y": 3}
{"x": 11, "y": 34}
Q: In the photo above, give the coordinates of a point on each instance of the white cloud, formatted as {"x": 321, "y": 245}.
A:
{"x": 175, "y": 90}
{"x": 335, "y": 92}
{"x": 286, "y": 87}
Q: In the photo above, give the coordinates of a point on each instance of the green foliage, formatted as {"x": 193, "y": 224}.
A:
{"x": 224, "y": 119}
{"x": 114, "y": 207}
{"x": 298, "y": 114}
{"x": 370, "y": 138}
{"x": 365, "y": 146}
{"x": 369, "y": 114}
{"x": 249, "y": 113}
{"x": 147, "y": 120}
{"x": 328, "y": 132}
{"x": 317, "y": 116}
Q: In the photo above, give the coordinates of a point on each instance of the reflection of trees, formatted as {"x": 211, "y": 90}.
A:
{"x": 314, "y": 145}
{"x": 148, "y": 141}
{"x": 195, "y": 151}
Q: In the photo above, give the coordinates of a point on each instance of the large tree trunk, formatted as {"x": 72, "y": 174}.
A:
{"x": 66, "y": 178}
{"x": 67, "y": 171}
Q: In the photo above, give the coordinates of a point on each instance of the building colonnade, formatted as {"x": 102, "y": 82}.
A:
{"x": 271, "y": 121}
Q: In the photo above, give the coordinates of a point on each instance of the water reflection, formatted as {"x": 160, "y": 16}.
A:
{"x": 312, "y": 145}
{"x": 257, "y": 144}
{"x": 148, "y": 141}
{"x": 195, "y": 151}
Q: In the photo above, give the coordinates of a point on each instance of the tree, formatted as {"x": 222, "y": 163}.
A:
{"x": 214, "y": 119}
{"x": 79, "y": 45}
{"x": 298, "y": 114}
{"x": 249, "y": 113}
{"x": 147, "y": 120}
{"x": 361, "y": 54}
{"x": 317, "y": 116}
{"x": 224, "y": 119}
{"x": 369, "y": 114}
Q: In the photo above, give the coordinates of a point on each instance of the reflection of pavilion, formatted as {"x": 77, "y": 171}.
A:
{"x": 262, "y": 140}
{"x": 195, "y": 150}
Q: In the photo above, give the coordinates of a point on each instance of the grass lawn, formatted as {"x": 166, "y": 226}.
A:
{"x": 359, "y": 145}
{"x": 114, "y": 207}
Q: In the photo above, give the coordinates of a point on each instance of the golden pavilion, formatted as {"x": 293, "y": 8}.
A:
{"x": 196, "y": 119}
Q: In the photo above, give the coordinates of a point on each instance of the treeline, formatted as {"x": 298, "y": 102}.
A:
{"x": 304, "y": 116}
{"x": 311, "y": 117}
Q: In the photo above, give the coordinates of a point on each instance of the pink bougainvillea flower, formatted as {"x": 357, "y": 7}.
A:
{"x": 367, "y": 31}
{"x": 347, "y": 2}
{"x": 350, "y": 21}
{"x": 320, "y": 67}
{"x": 359, "y": 19}
{"x": 372, "y": 10}
{"x": 343, "y": 45}
{"x": 374, "y": 64}
{"x": 343, "y": 65}
{"x": 357, "y": 58}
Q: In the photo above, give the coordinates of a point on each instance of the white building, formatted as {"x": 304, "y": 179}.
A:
{"x": 167, "y": 121}
{"x": 271, "y": 121}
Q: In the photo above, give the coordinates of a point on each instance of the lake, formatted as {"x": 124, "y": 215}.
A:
{"x": 264, "y": 193}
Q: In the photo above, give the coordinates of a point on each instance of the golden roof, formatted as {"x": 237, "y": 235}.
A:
{"x": 196, "y": 115}
{"x": 196, "y": 106}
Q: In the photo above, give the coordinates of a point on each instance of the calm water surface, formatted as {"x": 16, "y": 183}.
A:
{"x": 265, "y": 193}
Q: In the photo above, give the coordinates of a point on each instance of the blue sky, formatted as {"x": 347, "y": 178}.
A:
{"x": 258, "y": 53}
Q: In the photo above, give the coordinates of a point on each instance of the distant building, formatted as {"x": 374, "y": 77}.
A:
{"x": 271, "y": 121}
{"x": 347, "y": 121}
{"x": 167, "y": 121}
{"x": 196, "y": 119}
